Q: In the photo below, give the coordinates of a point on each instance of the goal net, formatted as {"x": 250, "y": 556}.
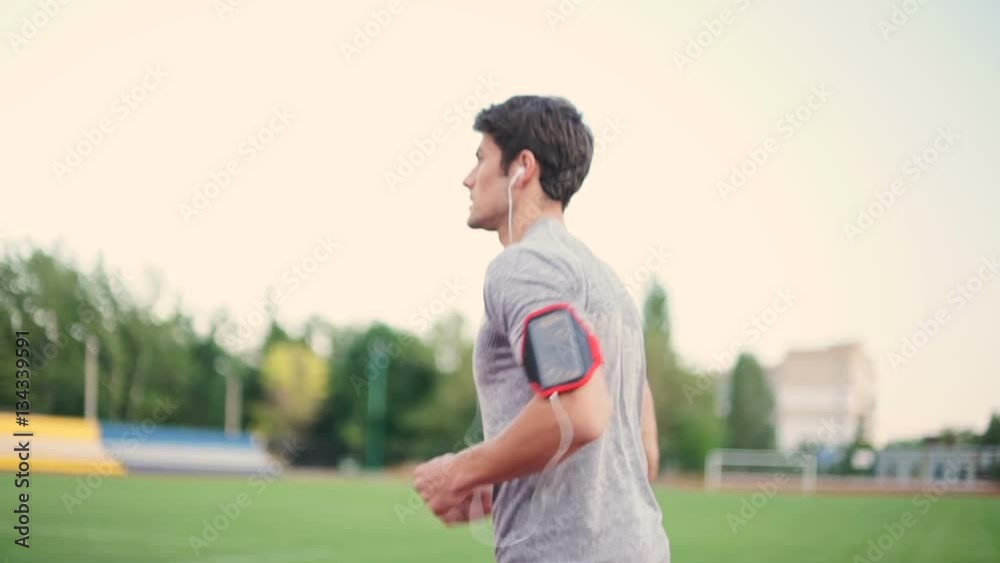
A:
{"x": 749, "y": 468}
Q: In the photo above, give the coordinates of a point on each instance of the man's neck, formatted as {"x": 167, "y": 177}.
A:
{"x": 523, "y": 224}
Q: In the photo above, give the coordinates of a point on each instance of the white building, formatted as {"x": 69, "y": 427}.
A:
{"x": 821, "y": 396}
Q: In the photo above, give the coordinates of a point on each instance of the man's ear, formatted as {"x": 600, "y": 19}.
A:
{"x": 526, "y": 160}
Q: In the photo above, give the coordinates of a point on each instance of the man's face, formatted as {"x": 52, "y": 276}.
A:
{"x": 487, "y": 184}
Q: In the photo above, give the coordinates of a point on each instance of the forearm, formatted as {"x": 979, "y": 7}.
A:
{"x": 524, "y": 448}
{"x": 533, "y": 439}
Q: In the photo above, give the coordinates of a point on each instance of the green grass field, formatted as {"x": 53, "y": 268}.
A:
{"x": 293, "y": 520}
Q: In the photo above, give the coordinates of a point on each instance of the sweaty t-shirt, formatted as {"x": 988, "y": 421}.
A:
{"x": 596, "y": 506}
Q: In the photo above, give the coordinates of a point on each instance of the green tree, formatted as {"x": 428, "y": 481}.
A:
{"x": 43, "y": 294}
{"x": 142, "y": 358}
{"x": 751, "y": 412}
{"x": 449, "y": 420}
{"x": 296, "y": 383}
{"x": 326, "y": 440}
{"x": 656, "y": 314}
{"x": 991, "y": 437}
{"x": 697, "y": 429}
{"x": 687, "y": 425}
{"x": 859, "y": 442}
{"x": 372, "y": 360}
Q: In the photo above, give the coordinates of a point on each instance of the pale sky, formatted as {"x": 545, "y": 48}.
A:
{"x": 336, "y": 108}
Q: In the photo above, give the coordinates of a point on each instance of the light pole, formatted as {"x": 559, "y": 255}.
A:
{"x": 234, "y": 397}
{"x": 90, "y": 379}
{"x": 378, "y": 364}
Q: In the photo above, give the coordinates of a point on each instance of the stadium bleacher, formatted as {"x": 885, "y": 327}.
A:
{"x": 177, "y": 449}
{"x": 60, "y": 444}
{"x": 73, "y": 445}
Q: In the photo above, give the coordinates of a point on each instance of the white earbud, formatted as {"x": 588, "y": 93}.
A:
{"x": 510, "y": 204}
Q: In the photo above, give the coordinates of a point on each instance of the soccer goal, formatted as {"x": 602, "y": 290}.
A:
{"x": 747, "y": 467}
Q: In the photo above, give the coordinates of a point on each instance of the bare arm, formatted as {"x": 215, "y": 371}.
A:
{"x": 649, "y": 436}
{"x": 531, "y": 441}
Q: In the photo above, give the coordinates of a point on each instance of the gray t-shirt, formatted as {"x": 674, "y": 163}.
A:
{"x": 597, "y": 506}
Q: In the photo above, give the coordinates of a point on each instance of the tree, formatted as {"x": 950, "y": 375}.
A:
{"x": 859, "y": 442}
{"x": 991, "y": 437}
{"x": 144, "y": 359}
{"x": 44, "y": 295}
{"x": 696, "y": 429}
{"x": 751, "y": 412}
{"x": 656, "y": 313}
{"x": 687, "y": 425}
{"x": 326, "y": 440}
{"x": 372, "y": 360}
{"x": 295, "y": 383}
{"x": 449, "y": 420}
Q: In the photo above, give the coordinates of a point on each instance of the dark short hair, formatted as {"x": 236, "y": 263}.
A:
{"x": 552, "y": 129}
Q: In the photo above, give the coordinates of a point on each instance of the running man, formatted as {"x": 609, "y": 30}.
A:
{"x": 559, "y": 364}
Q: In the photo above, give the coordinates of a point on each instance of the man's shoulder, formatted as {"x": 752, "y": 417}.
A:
{"x": 532, "y": 258}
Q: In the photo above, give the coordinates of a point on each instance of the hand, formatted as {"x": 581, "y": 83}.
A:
{"x": 436, "y": 482}
{"x": 479, "y": 504}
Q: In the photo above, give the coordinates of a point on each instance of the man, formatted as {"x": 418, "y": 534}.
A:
{"x": 570, "y": 439}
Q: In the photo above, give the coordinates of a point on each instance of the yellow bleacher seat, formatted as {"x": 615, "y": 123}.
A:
{"x": 43, "y": 425}
{"x": 60, "y": 444}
